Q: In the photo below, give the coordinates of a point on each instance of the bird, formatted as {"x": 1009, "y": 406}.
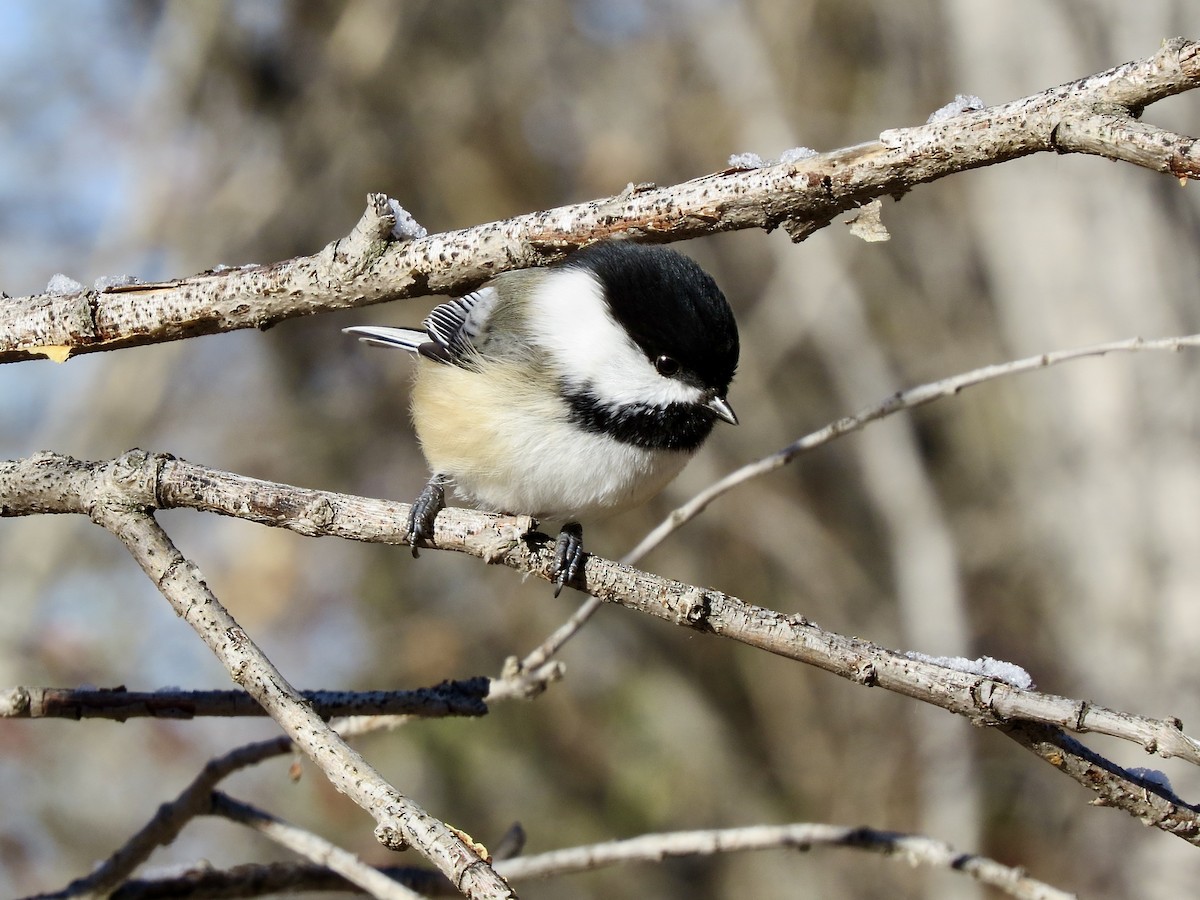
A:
{"x": 568, "y": 392}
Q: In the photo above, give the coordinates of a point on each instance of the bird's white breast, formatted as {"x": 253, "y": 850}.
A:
{"x": 509, "y": 448}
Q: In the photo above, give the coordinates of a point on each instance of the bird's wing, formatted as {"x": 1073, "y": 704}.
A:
{"x": 454, "y": 327}
{"x": 450, "y": 330}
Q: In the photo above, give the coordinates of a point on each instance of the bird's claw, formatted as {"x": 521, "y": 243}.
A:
{"x": 568, "y": 556}
{"x": 423, "y": 512}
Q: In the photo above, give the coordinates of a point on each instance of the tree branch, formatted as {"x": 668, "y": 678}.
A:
{"x": 117, "y": 497}
{"x": 1114, "y": 786}
{"x": 195, "y": 800}
{"x": 50, "y": 483}
{"x": 910, "y": 398}
{"x": 374, "y": 265}
{"x": 312, "y": 847}
{"x": 916, "y": 850}
{"x": 169, "y": 820}
{"x": 267, "y": 880}
{"x": 450, "y": 698}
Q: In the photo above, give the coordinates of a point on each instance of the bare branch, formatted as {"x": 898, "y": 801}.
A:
{"x": 117, "y": 499}
{"x": 555, "y": 641}
{"x": 194, "y": 800}
{"x": 268, "y": 880}
{"x": 312, "y": 847}
{"x": 450, "y": 698}
{"x": 372, "y": 266}
{"x": 49, "y": 483}
{"x": 169, "y": 820}
{"x": 1117, "y": 136}
{"x": 898, "y": 402}
{"x": 912, "y": 849}
{"x": 1113, "y": 785}
{"x": 519, "y": 680}
{"x": 401, "y": 821}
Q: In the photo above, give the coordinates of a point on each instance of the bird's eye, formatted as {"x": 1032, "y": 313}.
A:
{"x": 667, "y": 366}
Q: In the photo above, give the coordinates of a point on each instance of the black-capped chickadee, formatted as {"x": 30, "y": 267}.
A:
{"x": 570, "y": 391}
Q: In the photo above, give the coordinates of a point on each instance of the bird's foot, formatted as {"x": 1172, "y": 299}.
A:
{"x": 430, "y": 502}
{"x": 568, "y": 556}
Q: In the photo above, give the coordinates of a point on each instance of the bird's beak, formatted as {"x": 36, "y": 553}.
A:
{"x": 721, "y": 407}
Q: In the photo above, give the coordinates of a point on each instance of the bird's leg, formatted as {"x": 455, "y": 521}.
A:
{"x": 568, "y": 556}
{"x": 430, "y": 502}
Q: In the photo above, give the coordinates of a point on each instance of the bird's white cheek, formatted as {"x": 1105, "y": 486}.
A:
{"x": 591, "y": 350}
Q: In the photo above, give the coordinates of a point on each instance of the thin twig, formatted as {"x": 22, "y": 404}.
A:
{"x": 245, "y": 881}
{"x": 312, "y": 847}
{"x": 904, "y": 400}
{"x": 519, "y": 680}
{"x": 169, "y": 820}
{"x": 567, "y": 630}
{"x": 916, "y": 850}
{"x": 898, "y": 402}
{"x": 571, "y": 627}
{"x": 1150, "y": 800}
{"x": 172, "y": 817}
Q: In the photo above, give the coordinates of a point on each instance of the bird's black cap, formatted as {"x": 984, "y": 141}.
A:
{"x": 670, "y": 307}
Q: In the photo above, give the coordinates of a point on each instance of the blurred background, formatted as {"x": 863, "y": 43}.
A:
{"x": 1049, "y": 520}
